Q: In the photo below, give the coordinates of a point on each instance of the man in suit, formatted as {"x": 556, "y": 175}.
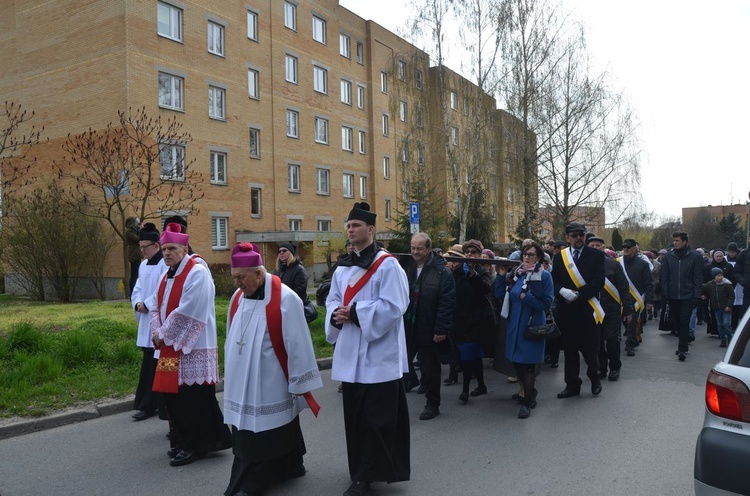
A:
{"x": 578, "y": 274}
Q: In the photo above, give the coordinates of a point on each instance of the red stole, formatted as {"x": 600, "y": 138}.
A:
{"x": 273, "y": 320}
{"x": 351, "y": 291}
{"x": 166, "y": 378}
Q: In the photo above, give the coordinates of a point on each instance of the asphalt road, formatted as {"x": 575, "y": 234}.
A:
{"x": 637, "y": 438}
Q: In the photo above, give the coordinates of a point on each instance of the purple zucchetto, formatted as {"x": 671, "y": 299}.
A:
{"x": 173, "y": 234}
{"x": 246, "y": 255}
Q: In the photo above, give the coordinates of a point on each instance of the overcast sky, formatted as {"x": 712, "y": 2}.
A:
{"x": 684, "y": 67}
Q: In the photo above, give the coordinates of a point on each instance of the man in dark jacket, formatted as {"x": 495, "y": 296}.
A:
{"x": 742, "y": 275}
{"x": 578, "y": 274}
{"x": 681, "y": 284}
{"x": 432, "y": 300}
{"x": 640, "y": 286}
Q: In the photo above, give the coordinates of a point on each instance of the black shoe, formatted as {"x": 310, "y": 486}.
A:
{"x": 173, "y": 452}
{"x": 142, "y": 415}
{"x": 629, "y": 351}
{"x": 553, "y": 365}
{"x": 185, "y": 458}
{"x": 452, "y": 379}
{"x": 568, "y": 392}
{"x": 596, "y": 388}
{"x": 723, "y": 343}
{"x": 358, "y": 489}
{"x": 691, "y": 339}
{"x": 517, "y": 398}
{"x": 524, "y": 412}
{"x": 602, "y": 374}
{"x": 479, "y": 391}
{"x": 429, "y": 413}
{"x": 463, "y": 397}
{"x": 422, "y": 389}
{"x": 614, "y": 375}
{"x": 341, "y": 388}
{"x": 409, "y": 385}
{"x": 681, "y": 356}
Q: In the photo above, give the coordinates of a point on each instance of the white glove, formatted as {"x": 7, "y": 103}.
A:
{"x": 568, "y": 294}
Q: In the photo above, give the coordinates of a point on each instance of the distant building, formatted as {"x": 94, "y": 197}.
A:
{"x": 716, "y": 212}
{"x": 592, "y": 218}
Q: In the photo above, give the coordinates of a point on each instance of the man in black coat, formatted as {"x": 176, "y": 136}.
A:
{"x": 432, "y": 300}
{"x": 578, "y": 274}
{"x": 742, "y": 275}
{"x": 639, "y": 274}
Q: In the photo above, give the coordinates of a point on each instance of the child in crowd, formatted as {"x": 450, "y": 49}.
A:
{"x": 720, "y": 295}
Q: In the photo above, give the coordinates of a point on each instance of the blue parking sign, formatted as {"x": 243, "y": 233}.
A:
{"x": 414, "y": 213}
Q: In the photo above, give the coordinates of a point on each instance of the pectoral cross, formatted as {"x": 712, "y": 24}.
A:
{"x": 240, "y": 343}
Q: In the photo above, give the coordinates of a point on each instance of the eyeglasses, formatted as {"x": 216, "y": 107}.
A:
{"x": 143, "y": 247}
{"x": 529, "y": 254}
{"x": 283, "y": 250}
{"x": 577, "y": 235}
{"x": 472, "y": 252}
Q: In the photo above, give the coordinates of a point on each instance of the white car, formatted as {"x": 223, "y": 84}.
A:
{"x": 722, "y": 453}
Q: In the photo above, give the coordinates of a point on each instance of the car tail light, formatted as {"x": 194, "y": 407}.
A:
{"x": 727, "y": 397}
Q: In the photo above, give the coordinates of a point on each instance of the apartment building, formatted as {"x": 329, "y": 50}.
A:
{"x": 292, "y": 106}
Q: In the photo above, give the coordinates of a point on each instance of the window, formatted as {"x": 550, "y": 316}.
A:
{"x": 466, "y": 106}
{"x": 218, "y": 165}
{"x": 402, "y": 70}
{"x": 454, "y": 100}
{"x": 349, "y": 185}
{"x": 172, "y": 162}
{"x": 402, "y": 110}
{"x": 290, "y": 68}
{"x": 346, "y": 92}
{"x": 169, "y": 21}
{"x": 347, "y": 138}
{"x": 321, "y": 130}
{"x": 254, "y": 143}
{"x": 253, "y": 84}
{"x": 420, "y": 154}
{"x": 387, "y": 210}
{"x": 215, "y": 38}
{"x": 345, "y": 46}
{"x": 361, "y": 97}
{"x": 384, "y": 82}
{"x": 216, "y": 103}
{"x": 362, "y": 141}
{"x": 363, "y": 187}
{"x": 322, "y": 183}
{"x": 405, "y": 191}
{"x": 404, "y": 151}
{"x": 295, "y": 224}
{"x": 385, "y": 124}
{"x": 170, "y": 91}
{"x": 467, "y": 138}
{"x": 219, "y": 233}
{"x": 319, "y": 29}
{"x": 290, "y": 16}
{"x": 255, "y": 202}
{"x": 324, "y": 225}
{"x": 360, "y": 52}
{"x": 386, "y": 167}
{"x": 420, "y": 117}
{"x": 252, "y": 25}
{"x": 418, "y": 79}
{"x": 320, "y": 79}
{"x": 293, "y": 178}
{"x": 454, "y": 135}
{"x": 292, "y": 123}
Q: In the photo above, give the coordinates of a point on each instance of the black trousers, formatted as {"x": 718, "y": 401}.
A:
{"x": 145, "y": 399}
{"x": 430, "y": 366}
{"x": 580, "y": 335}
{"x": 609, "y": 342}
{"x": 682, "y": 310}
{"x": 196, "y": 419}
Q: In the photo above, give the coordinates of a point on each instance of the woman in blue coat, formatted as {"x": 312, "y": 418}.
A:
{"x": 530, "y": 293}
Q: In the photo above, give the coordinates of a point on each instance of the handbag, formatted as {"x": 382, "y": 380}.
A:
{"x": 311, "y": 311}
{"x": 544, "y": 331}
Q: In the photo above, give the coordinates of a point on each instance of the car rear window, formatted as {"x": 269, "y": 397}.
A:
{"x": 741, "y": 353}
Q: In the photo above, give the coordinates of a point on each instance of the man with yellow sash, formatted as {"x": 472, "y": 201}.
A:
{"x": 578, "y": 274}
{"x": 640, "y": 287}
{"x": 618, "y": 307}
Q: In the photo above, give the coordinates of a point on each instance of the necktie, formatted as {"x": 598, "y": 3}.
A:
{"x": 575, "y": 255}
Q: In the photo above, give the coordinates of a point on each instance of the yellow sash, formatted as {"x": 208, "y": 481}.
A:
{"x": 578, "y": 280}
{"x": 612, "y": 290}
{"x": 637, "y": 297}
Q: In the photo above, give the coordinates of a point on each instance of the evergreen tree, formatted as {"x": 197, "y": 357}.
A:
{"x": 731, "y": 230}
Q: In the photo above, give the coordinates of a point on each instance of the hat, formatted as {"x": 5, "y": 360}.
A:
{"x": 455, "y": 251}
{"x": 177, "y": 220}
{"x": 718, "y": 251}
{"x": 473, "y": 243}
{"x": 610, "y": 253}
{"x": 149, "y": 232}
{"x": 290, "y": 247}
{"x": 246, "y": 255}
{"x": 489, "y": 253}
{"x": 663, "y": 252}
{"x": 361, "y": 211}
{"x": 173, "y": 234}
{"x": 650, "y": 255}
{"x": 733, "y": 247}
{"x": 560, "y": 244}
{"x": 595, "y": 238}
{"x": 575, "y": 227}
{"x": 701, "y": 251}
{"x": 716, "y": 271}
{"x": 629, "y": 243}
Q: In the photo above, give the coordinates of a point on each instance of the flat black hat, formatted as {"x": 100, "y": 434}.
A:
{"x": 149, "y": 232}
{"x": 575, "y": 227}
{"x": 176, "y": 219}
{"x": 595, "y": 238}
{"x": 361, "y": 211}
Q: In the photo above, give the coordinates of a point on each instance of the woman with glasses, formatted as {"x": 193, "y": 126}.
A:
{"x": 290, "y": 270}
{"x": 530, "y": 293}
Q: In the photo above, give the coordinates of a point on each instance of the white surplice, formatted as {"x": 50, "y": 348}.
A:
{"x": 146, "y": 286}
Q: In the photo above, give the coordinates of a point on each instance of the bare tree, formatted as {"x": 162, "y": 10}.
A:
{"x": 134, "y": 168}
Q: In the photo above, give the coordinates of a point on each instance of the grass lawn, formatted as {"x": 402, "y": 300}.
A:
{"x": 53, "y": 356}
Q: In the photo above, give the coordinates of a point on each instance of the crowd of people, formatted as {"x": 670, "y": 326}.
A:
{"x": 383, "y": 316}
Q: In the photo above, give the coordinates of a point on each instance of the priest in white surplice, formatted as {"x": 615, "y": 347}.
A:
{"x": 364, "y": 319}
{"x": 266, "y": 333}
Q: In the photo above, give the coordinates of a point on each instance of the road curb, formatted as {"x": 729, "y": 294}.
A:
{"x": 20, "y": 426}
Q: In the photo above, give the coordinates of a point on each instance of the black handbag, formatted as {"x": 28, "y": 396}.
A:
{"x": 545, "y": 331}
{"x": 311, "y": 311}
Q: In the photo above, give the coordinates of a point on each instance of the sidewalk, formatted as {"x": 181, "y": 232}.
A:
{"x": 16, "y": 426}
